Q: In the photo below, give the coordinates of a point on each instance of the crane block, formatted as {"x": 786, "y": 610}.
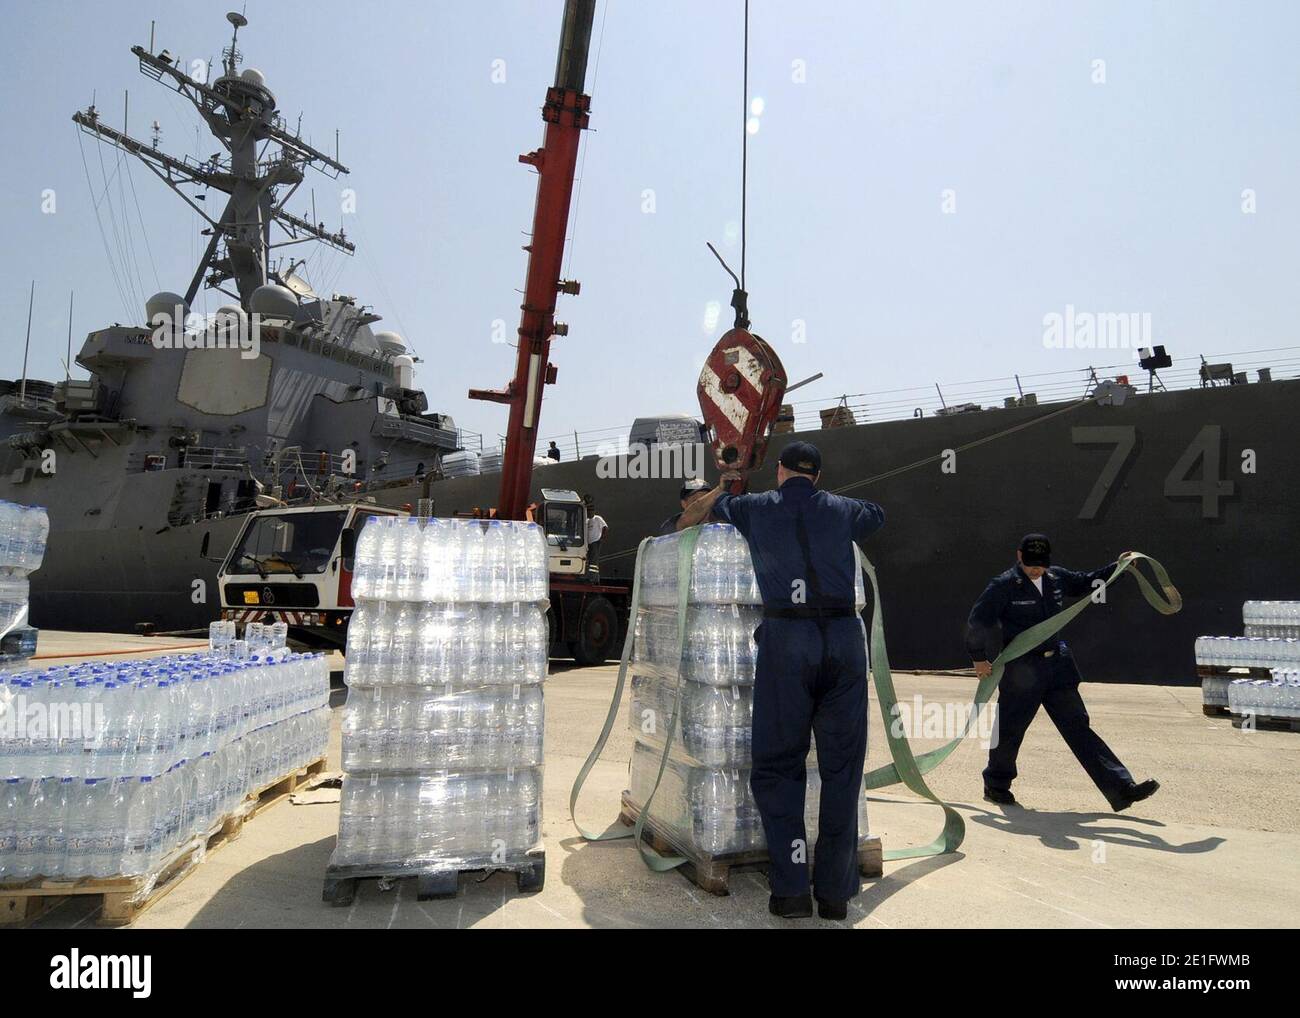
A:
{"x": 740, "y": 392}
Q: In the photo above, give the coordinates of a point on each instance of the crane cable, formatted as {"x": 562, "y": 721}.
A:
{"x": 744, "y": 145}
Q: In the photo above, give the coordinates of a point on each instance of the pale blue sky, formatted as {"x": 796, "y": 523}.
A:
{"x": 1115, "y": 197}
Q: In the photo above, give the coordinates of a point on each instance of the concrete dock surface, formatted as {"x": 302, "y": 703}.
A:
{"x": 1218, "y": 845}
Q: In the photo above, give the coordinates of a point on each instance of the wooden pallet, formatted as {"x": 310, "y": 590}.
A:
{"x": 712, "y": 873}
{"x": 125, "y": 898}
{"x": 431, "y": 881}
{"x": 1266, "y": 723}
{"x": 1234, "y": 672}
{"x": 1215, "y": 710}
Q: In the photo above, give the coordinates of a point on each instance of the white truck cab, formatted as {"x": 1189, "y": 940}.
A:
{"x": 294, "y": 565}
{"x": 564, "y": 518}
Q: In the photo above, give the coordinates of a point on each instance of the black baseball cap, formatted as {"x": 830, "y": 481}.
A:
{"x": 1036, "y": 550}
{"x": 802, "y": 458}
{"x": 692, "y": 486}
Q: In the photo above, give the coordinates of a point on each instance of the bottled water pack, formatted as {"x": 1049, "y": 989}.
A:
{"x": 24, "y": 531}
{"x": 438, "y": 817}
{"x": 714, "y": 725}
{"x": 722, "y": 571}
{"x": 1278, "y": 696}
{"x": 1272, "y": 618}
{"x": 109, "y": 768}
{"x": 704, "y": 801}
{"x": 410, "y": 644}
{"x": 1248, "y": 651}
{"x": 464, "y": 463}
{"x": 719, "y": 647}
{"x": 711, "y": 810}
{"x": 442, "y": 733}
{"x": 450, "y": 560}
{"x": 442, "y": 728}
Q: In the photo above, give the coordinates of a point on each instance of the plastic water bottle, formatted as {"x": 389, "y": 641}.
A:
{"x": 12, "y": 800}
{"x": 472, "y": 585}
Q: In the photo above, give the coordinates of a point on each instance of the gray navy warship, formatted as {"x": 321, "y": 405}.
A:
{"x": 163, "y": 452}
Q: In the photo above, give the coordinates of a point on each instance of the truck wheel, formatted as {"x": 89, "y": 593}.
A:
{"x": 597, "y": 632}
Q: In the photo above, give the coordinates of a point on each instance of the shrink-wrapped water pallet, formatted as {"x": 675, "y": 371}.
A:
{"x": 703, "y": 685}
{"x": 442, "y": 730}
{"x": 121, "y": 770}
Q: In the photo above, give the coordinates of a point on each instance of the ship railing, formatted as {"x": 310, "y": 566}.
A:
{"x": 427, "y": 434}
{"x": 993, "y": 393}
{"x": 470, "y": 440}
{"x": 200, "y": 457}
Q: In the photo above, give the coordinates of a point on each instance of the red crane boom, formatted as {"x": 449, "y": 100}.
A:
{"x": 566, "y": 116}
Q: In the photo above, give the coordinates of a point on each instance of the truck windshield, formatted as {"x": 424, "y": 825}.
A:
{"x": 564, "y": 524}
{"x": 296, "y": 543}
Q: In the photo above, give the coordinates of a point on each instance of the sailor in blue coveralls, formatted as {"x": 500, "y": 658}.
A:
{"x": 1029, "y": 592}
{"x": 810, "y": 676}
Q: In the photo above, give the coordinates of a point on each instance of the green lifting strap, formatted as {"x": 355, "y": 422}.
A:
{"x": 685, "y": 569}
{"x": 908, "y": 768}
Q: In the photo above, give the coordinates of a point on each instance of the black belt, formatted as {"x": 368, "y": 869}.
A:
{"x": 804, "y": 611}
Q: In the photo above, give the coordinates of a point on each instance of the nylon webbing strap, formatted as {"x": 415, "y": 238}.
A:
{"x": 908, "y": 768}
{"x": 685, "y": 570}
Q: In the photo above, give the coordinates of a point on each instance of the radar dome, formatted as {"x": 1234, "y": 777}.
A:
{"x": 229, "y": 316}
{"x": 253, "y": 76}
{"x": 390, "y": 342}
{"x": 274, "y": 301}
{"x": 166, "y": 303}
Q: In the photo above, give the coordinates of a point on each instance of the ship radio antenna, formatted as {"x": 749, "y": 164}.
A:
{"x": 67, "y": 364}
{"x": 31, "y": 300}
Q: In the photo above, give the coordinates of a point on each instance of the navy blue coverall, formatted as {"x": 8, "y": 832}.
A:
{"x": 810, "y": 676}
{"x": 1046, "y": 676}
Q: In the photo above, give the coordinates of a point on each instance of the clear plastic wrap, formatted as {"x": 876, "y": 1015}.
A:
{"x": 1214, "y": 690}
{"x": 410, "y": 643}
{"x": 450, "y": 560}
{"x": 704, "y": 804}
{"x": 713, "y": 727}
{"x": 1248, "y": 651}
{"x": 719, "y": 648}
{"x": 142, "y": 718}
{"x": 451, "y": 819}
{"x": 113, "y": 768}
{"x": 1272, "y": 618}
{"x": 709, "y": 811}
{"x": 722, "y": 571}
{"x": 69, "y": 828}
{"x": 1275, "y": 697}
{"x": 443, "y": 728}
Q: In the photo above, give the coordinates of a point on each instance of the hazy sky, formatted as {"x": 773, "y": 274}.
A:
{"x": 1115, "y": 195}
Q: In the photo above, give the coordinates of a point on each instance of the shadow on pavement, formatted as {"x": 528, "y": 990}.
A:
{"x": 1070, "y": 831}
{"x": 285, "y": 891}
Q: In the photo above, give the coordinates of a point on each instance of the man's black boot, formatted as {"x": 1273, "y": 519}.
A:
{"x": 1001, "y": 796}
{"x": 798, "y": 907}
{"x": 1137, "y": 793}
{"x": 832, "y": 909}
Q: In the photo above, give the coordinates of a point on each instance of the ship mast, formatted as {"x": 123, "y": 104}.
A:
{"x": 240, "y": 111}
